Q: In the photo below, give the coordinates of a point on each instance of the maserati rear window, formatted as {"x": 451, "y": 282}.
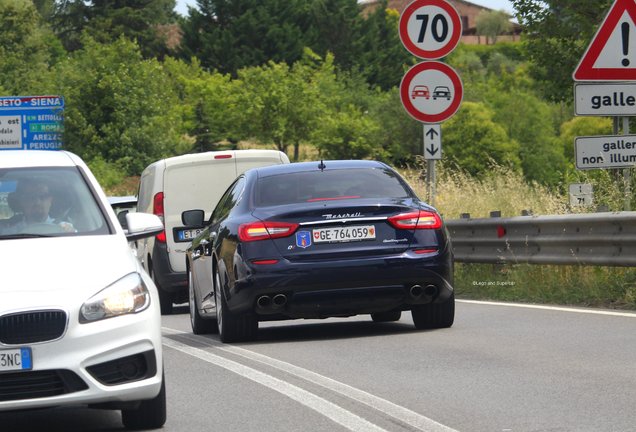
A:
{"x": 312, "y": 186}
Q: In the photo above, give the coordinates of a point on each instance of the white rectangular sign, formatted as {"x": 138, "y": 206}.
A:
{"x": 605, "y": 99}
{"x": 605, "y": 151}
{"x": 581, "y": 195}
{"x": 10, "y": 132}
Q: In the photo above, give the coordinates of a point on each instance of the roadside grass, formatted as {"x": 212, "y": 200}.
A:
{"x": 129, "y": 186}
{"x": 507, "y": 191}
{"x": 590, "y": 286}
{"x": 501, "y": 190}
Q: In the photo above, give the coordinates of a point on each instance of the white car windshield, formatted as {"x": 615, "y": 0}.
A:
{"x": 48, "y": 201}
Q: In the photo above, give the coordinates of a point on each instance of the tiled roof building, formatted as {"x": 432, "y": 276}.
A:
{"x": 467, "y": 11}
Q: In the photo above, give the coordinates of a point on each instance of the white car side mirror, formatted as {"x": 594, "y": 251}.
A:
{"x": 142, "y": 225}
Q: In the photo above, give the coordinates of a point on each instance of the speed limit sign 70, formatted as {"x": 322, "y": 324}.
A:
{"x": 430, "y": 29}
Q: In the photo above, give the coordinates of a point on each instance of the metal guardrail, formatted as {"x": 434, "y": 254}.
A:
{"x": 604, "y": 239}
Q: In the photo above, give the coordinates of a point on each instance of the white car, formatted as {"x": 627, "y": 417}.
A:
{"x": 80, "y": 321}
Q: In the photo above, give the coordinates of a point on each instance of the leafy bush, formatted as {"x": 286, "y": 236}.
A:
{"x": 108, "y": 174}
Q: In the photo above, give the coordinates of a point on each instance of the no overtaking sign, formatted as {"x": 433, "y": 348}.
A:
{"x": 431, "y": 92}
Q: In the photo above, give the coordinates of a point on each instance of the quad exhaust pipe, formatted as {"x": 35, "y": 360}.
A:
{"x": 267, "y": 303}
{"x": 416, "y": 291}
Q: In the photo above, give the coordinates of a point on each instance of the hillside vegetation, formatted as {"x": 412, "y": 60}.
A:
{"x": 319, "y": 79}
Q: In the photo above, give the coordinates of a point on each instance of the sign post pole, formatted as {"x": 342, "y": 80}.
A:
{"x": 432, "y": 151}
{"x": 627, "y": 173}
{"x": 430, "y": 180}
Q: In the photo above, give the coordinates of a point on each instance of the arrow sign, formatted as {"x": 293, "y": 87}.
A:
{"x": 611, "y": 56}
{"x": 432, "y": 142}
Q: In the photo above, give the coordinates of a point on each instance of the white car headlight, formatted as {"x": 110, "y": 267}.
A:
{"x": 128, "y": 295}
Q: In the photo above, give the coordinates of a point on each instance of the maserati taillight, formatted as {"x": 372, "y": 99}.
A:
{"x": 416, "y": 220}
{"x": 265, "y": 230}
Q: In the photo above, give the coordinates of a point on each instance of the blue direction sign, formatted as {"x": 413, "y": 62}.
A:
{"x": 31, "y": 122}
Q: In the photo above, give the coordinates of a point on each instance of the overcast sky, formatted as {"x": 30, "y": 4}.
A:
{"x": 182, "y": 5}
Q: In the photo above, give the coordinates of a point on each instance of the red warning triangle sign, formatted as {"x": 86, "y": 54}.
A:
{"x": 611, "y": 56}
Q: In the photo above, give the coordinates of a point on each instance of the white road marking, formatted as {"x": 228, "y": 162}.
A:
{"x": 387, "y": 408}
{"x": 332, "y": 411}
{"x": 552, "y": 308}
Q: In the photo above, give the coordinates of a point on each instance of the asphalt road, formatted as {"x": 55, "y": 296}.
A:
{"x": 499, "y": 368}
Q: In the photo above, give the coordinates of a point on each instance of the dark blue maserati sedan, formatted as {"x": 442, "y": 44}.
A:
{"x": 316, "y": 240}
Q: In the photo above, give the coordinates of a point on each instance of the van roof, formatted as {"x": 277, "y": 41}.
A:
{"x": 193, "y": 158}
{"x": 224, "y": 154}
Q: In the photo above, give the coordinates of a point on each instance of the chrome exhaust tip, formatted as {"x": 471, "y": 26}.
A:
{"x": 279, "y": 300}
{"x": 416, "y": 291}
{"x": 264, "y": 302}
{"x": 430, "y": 290}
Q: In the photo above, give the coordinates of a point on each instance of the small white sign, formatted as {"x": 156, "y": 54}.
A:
{"x": 606, "y": 151}
{"x": 581, "y": 194}
{"x": 605, "y": 99}
{"x": 10, "y": 132}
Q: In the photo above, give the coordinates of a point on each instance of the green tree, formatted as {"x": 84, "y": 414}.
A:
{"x": 349, "y": 124}
{"x": 582, "y": 126}
{"x": 381, "y": 58}
{"x": 492, "y": 24}
{"x": 46, "y": 8}
{"x": 280, "y": 104}
{"x": 107, "y": 20}
{"x": 228, "y": 35}
{"x": 28, "y": 46}
{"x": 206, "y": 101}
{"x": 474, "y": 142}
{"x": 399, "y": 139}
{"x": 333, "y": 26}
{"x": 347, "y": 134}
{"x": 528, "y": 120}
{"x": 119, "y": 107}
{"x": 556, "y": 33}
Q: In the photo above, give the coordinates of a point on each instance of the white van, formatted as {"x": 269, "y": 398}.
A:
{"x": 171, "y": 186}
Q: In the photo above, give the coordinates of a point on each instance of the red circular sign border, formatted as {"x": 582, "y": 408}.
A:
{"x": 445, "y": 69}
{"x": 414, "y": 49}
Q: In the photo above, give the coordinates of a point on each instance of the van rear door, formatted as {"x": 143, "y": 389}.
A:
{"x": 196, "y": 184}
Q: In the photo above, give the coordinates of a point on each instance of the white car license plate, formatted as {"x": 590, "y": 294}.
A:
{"x": 16, "y": 359}
{"x": 189, "y": 234}
{"x": 344, "y": 234}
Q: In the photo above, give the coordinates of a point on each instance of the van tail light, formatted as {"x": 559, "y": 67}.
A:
{"x": 265, "y": 230}
{"x": 416, "y": 220}
{"x": 157, "y": 209}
